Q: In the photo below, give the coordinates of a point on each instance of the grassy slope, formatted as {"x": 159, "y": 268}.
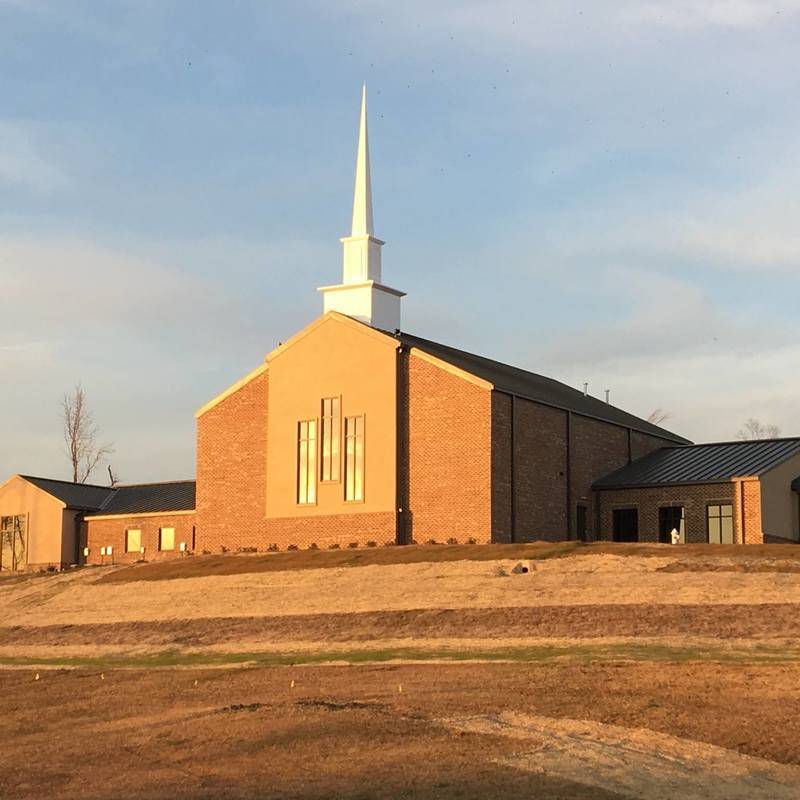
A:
{"x": 196, "y": 566}
{"x": 573, "y": 653}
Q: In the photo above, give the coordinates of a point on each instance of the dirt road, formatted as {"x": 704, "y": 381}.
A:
{"x": 394, "y": 731}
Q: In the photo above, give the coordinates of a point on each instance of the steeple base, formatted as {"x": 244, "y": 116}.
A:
{"x": 369, "y": 302}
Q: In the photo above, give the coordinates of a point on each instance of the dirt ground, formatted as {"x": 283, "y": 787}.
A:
{"x": 86, "y": 597}
{"x": 404, "y": 731}
{"x": 602, "y": 672}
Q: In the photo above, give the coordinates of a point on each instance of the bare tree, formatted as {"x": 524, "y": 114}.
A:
{"x": 658, "y": 416}
{"x": 755, "y": 429}
{"x": 113, "y": 478}
{"x": 80, "y": 435}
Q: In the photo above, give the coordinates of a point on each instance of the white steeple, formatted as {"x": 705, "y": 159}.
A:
{"x": 360, "y": 294}
{"x": 362, "y": 195}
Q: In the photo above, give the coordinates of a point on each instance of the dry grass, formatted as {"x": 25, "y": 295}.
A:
{"x": 695, "y": 643}
{"x": 200, "y": 566}
{"x": 350, "y": 733}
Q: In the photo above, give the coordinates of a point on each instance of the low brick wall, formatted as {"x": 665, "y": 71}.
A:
{"x": 323, "y": 531}
{"x": 112, "y": 531}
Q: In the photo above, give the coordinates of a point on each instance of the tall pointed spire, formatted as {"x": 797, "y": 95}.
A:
{"x": 362, "y": 196}
{"x": 361, "y": 294}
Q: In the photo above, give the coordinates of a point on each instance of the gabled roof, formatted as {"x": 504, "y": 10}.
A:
{"x": 536, "y": 387}
{"x": 138, "y": 498}
{"x": 703, "y": 463}
{"x": 78, "y": 496}
{"x": 146, "y": 498}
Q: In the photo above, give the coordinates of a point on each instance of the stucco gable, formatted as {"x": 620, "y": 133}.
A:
{"x": 332, "y": 318}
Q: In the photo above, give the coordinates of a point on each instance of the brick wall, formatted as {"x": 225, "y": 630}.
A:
{"x": 694, "y": 499}
{"x": 750, "y": 501}
{"x": 324, "y": 531}
{"x": 449, "y": 455}
{"x": 642, "y": 444}
{"x": 232, "y": 470}
{"x": 548, "y": 490}
{"x": 501, "y": 468}
{"x": 598, "y": 448}
{"x": 540, "y": 472}
{"x": 97, "y": 533}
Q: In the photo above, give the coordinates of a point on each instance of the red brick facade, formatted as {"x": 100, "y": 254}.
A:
{"x": 232, "y": 470}
{"x": 456, "y": 467}
{"x": 694, "y": 499}
{"x": 449, "y": 455}
{"x": 104, "y": 532}
{"x": 231, "y": 486}
{"x": 557, "y": 456}
{"x": 747, "y": 511}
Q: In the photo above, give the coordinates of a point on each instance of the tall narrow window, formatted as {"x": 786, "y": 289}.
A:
{"x": 720, "y": 524}
{"x": 307, "y": 462}
{"x": 331, "y": 426}
{"x": 354, "y": 459}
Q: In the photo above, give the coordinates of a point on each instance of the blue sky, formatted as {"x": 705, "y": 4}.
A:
{"x": 600, "y": 191}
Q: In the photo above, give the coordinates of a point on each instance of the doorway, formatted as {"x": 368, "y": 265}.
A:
{"x": 626, "y": 524}
{"x": 581, "y": 524}
{"x": 671, "y": 518}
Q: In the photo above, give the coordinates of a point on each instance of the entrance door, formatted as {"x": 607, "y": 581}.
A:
{"x": 581, "y": 527}
{"x": 626, "y": 524}
{"x": 671, "y": 518}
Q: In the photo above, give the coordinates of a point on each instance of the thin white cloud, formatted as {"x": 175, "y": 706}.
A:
{"x": 695, "y": 14}
{"x": 23, "y": 164}
{"x": 675, "y": 348}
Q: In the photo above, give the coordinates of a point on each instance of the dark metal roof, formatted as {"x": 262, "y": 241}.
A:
{"x": 133, "y": 499}
{"x": 150, "y": 497}
{"x": 537, "y": 387}
{"x": 702, "y": 463}
{"x": 79, "y": 496}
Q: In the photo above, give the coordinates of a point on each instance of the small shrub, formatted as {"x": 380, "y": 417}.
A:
{"x": 413, "y": 541}
{"x": 353, "y": 545}
{"x": 313, "y": 546}
{"x": 390, "y": 543}
{"x": 292, "y": 547}
{"x": 431, "y": 541}
{"x": 472, "y": 540}
{"x": 273, "y": 548}
{"x": 206, "y": 552}
{"x": 500, "y": 572}
{"x": 334, "y": 546}
{"x": 452, "y": 540}
{"x": 370, "y": 543}
{"x": 223, "y": 549}
{"x": 51, "y": 568}
{"x": 247, "y": 550}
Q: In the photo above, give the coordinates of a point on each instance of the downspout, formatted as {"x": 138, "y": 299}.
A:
{"x": 741, "y": 506}
{"x": 569, "y": 475}
{"x": 78, "y": 549}
{"x": 401, "y": 448}
{"x": 513, "y": 470}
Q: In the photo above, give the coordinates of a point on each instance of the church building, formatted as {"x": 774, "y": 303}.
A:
{"x": 356, "y": 433}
